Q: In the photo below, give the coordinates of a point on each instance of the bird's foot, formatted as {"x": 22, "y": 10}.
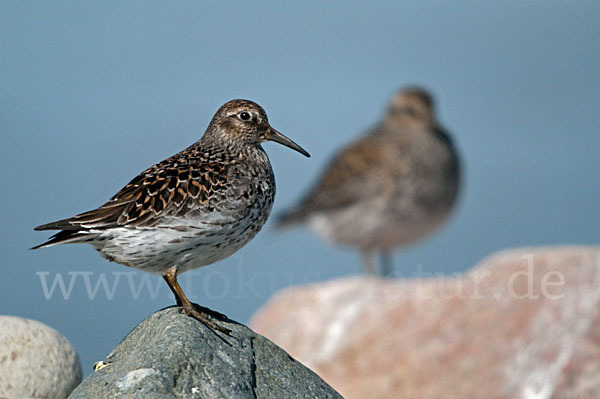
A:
{"x": 203, "y": 317}
{"x": 210, "y": 312}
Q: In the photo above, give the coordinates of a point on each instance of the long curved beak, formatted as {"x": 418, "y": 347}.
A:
{"x": 274, "y": 135}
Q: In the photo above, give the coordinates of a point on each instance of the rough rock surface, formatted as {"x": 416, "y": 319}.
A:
{"x": 170, "y": 355}
{"x": 523, "y": 324}
{"x": 36, "y": 361}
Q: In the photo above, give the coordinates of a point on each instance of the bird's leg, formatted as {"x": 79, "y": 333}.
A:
{"x": 387, "y": 265}
{"x": 201, "y": 308}
{"x": 368, "y": 264}
{"x": 186, "y": 306}
{"x": 173, "y": 289}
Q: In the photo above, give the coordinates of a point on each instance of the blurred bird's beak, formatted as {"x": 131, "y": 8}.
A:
{"x": 274, "y": 135}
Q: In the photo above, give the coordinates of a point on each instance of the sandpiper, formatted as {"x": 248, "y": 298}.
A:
{"x": 193, "y": 209}
{"x": 389, "y": 188}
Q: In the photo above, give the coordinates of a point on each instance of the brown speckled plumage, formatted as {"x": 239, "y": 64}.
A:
{"x": 192, "y": 209}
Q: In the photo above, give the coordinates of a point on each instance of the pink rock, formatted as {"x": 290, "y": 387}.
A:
{"x": 522, "y": 324}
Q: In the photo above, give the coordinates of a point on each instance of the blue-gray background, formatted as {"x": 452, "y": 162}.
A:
{"x": 94, "y": 92}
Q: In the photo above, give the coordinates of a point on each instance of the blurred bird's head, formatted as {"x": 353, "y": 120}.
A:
{"x": 411, "y": 106}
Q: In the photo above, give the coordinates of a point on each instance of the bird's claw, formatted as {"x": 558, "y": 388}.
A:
{"x": 204, "y": 318}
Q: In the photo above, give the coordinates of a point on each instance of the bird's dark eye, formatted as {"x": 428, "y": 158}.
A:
{"x": 411, "y": 111}
{"x": 245, "y": 116}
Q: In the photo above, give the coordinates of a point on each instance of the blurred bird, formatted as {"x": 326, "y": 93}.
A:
{"x": 190, "y": 210}
{"x": 389, "y": 188}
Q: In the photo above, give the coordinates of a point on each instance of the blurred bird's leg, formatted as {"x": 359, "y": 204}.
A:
{"x": 186, "y": 306}
{"x": 387, "y": 265}
{"x": 368, "y": 262}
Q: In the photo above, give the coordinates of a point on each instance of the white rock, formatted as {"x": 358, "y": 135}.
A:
{"x": 36, "y": 361}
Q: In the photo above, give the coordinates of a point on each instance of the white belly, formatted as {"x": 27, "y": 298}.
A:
{"x": 372, "y": 226}
{"x": 186, "y": 246}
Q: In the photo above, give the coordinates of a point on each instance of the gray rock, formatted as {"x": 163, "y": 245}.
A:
{"x": 170, "y": 355}
{"x": 36, "y": 361}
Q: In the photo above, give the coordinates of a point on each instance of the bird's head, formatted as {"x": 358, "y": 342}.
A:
{"x": 245, "y": 122}
{"x": 412, "y": 105}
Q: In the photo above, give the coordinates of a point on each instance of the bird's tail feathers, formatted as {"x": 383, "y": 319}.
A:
{"x": 290, "y": 217}
{"x": 66, "y": 237}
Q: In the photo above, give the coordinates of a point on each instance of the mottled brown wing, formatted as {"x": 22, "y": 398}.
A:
{"x": 158, "y": 191}
{"x": 340, "y": 184}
